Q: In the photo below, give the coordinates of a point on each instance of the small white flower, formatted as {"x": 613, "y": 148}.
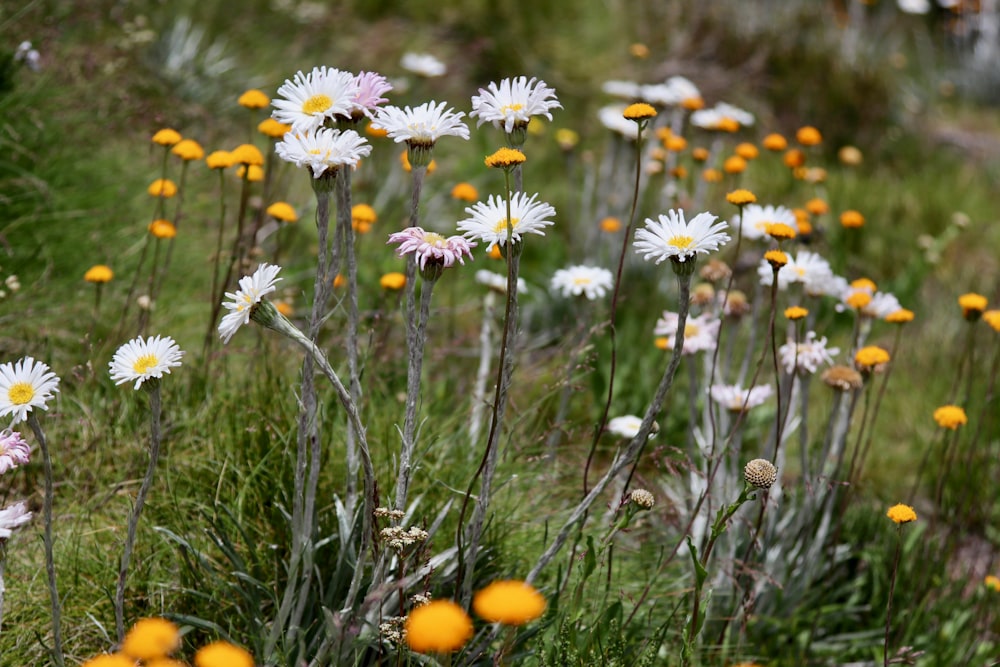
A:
{"x": 626, "y": 426}
{"x": 422, "y": 125}
{"x": 591, "y": 281}
{"x": 914, "y": 6}
{"x": 737, "y": 399}
{"x": 513, "y": 103}
{"x": 252, "y": 289}
{"x": 489, "y": 219}
{"x": 310, "y": 99}
{"x": 755, "y": 218}
{"x": 611, "y": 117}
{"x": 806, "y": 267}
{"x": 141, "y": 359}
{"x": 14, "y": 451}
{"x": 25, "y": 385}
{"x": 497, "y": 282}
{"x": 13, "y": 517}
{"x": 673, "y": 238}
{"x": 626, "y": 90}
{"x": 882, "y": 305}
{"x": 700, "y": 333}
{"x": 642, "y": 498}
{"x": 674, "y": 91}
{"x": 807, "y": 355}
{"x": 714, "y": 118}
{"x": 423, "y": 64}
{"x": 323, "y": 149}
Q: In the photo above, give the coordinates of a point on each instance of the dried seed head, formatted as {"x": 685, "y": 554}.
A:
{"x": 843, "y": 378}
{"x": 760, "y": 473}
{"x": 642, "y": 498}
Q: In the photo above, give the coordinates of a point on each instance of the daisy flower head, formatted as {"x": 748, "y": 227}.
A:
{"x": 222, "y": 654}
{"x": 590, "y": 281}
{"x": 142, "y": 359}
{"x": 25, "y": 385}
{"x": 626, "y": 90}
{"x": 14, "y": 451}
{"x": 497, "y": 282}
{"x": 671, "y": 237}
{"x": 805, "y": 267}
{"x": 431, "y": 248}
{"x": 613, "y": 118}
{"x": 371, "y": 87}
{"x": 13, "y": 517}
{"x": 754, "y": 219}
{"x": 488, "y": 222}
{"x": 322, "y": 150}
{"x": 972, "y": 305}
{"x": 700, "y": 333}
{"x": 307, "y": 101}
{"x": 626, "y": 426}
{"x": 807, "y": 355}
{"x": 423, "y": 64}
{"x": 513, "y": 102}
{"x": 881, "y": 306}
{"x": 737, "y": 399}
{"x": 252, "y": 289}
{"x": 422, "y": 125}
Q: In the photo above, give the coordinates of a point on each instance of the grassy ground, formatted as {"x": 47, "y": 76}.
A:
{"x": 77, "y": 160}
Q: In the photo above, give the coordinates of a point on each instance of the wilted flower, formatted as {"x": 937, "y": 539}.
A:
{"x": 843, "y": 378}
{"x": 642, "y": 498}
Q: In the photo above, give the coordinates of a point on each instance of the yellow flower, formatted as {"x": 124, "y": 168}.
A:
{"x": 774, "y": 142}
{"x": 864, "y": 283}
{"x": 254, "y": 99}
{"x": 699, "y": 154}
{"x": 852, "y": 219}
{"x": 393, "y": 280}
{"x": 151, "y": 638}
{"x": 859, "y": 299}
{"x": 188, "y": 149}
{"x": 796, "y": 312}
{"x": 275, "y": 129}
{"x": 808, "y": 136}
{"x": 509, "y": 602}
{"x": 803, "y": 227}
{"x": 675, "y": 144}
{"x": 679, "y": 172}
{"x": 638, "y": 50}
{"x": 741, "y": 197}
{"x": 504, "y": 158}
{"x": 693, "y": 103}
{"x": 162, "y": 229}
{"x": 164, "y": 662}
{"x": 254, "y": 175}
{"x": 248, "y": 154}
{"x": 868, "y": 357}
{"x": 222, "y": 654}
{"x": 712, "y": 176}
{"x": 162, "y": 187}
{"x": 610, "y": 224}
{"x": 375, "y": 131}
{"x": 817, "y": 206}
{"x": 404, "y": 160}
{"x": 110, "y": 660}
{"x": 282, "y": 210}
{"x": 850, "y": 155}
{"x": 166, "y": 137}
{"x": 99, "y": 273}
{"x": 220, "y": 160}
{"x": 494, "y": 252}
{"x": 972, "y": 305}
{"x": 465, "y": 192}
{"x": 734, "y": 164}
{"x": 992, "y": 582}
{"x": 639, "y": 111}
{"x": 363, "y": 217}
{"x": 901, "y": 316}
{"x": 440, "y": 626}
{"x": 728, "y": 125}
{"x": 992, "y": 318}
{"x": 794, "y": 158}
{"x": 776, "y": 258}
{"x": 567, "y": 139}
{"x": 779, "y": 231}
{"x": 340, "y": 281}
{"x": 747, "y": 151}
{"x": 901, "y": 514}
{"x": 950, "y": 416}
{"x": 284, "y": 308}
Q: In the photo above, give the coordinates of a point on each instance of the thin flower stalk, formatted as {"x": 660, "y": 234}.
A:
{"x": 50, "y": 563}
{"x": 345, "y": 233}
{"x": 577, "y": 347}
{"x": 482, "y": 374}
{"x": 973, "y": 490}
{"x": 162, "y": 274}
{"x": 623, "y": 459}
{"x": 217, "y": 260}
{"x": 155, "y": 438}
{"x": 236, "y": 255}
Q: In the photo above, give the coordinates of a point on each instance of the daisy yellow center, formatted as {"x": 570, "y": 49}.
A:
{"x": 511, "y": 108}
{"x": 690, "y": 330}
{"x": 433, "y": 239}
{"x": 502, "y": 225}
{"x": 317, "y": 104}
{"x": 20, "y": 393}
{"x": 681, "y": 241}
{"x": 142, "y": 365}
{"x": 581, "y": 280}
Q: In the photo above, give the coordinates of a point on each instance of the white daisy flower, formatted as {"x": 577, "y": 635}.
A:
{"x": 626, "y": 426}
{"x": 672, "y": 92}
{"x": 684, "y": 89}
{"x": 806, "y": 267}
{"x": 882, "y": 305}
{"x": 323, "y": 149}
{"x": 737, "y": 399}
{"x": 431, "y": 247}
{"x": 807, "y": 355}
{"x": 591, "y": 281}
{"x": 626, "y": 90}
{"x": 611, "y": 117}
{"x": 513, "y": 103}
{"x": 423, "y": 64}
{"x": 489, "y": 219}
{"x": 13, "y": 517}
{"x": 310, "y": 99}
{"x": 755, "y": 218}
{"x": 914, "y": 6}
{"x": 421, "y": 126}
{"x": 14, "y": 451}
{"x": 741, "y": 116}
{"x": 25, "y": 385}
{"x": 673, "y": 238}
{"x": 498, "y": 283}
{"x": 252, "y": 289}
{"x": 715, "y": 118}
{"x": 141, "y": 360}
{"x": 700, "y": 333}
